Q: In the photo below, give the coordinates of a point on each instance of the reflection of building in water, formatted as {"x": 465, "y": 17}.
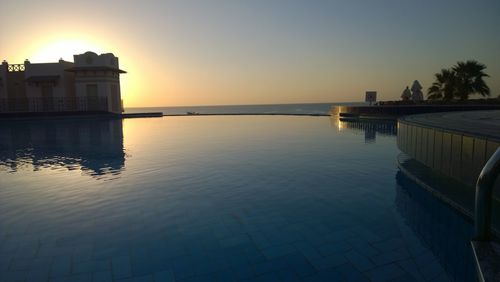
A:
{"x": 445, "y": 231}
{"x": 94, "y": 145}
{"x": 369, "y": 127}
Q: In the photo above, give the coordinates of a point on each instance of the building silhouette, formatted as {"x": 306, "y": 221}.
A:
{"x": 91, "y": 83}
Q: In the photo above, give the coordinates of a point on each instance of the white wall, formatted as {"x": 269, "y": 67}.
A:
{"x": 102, "y": 70}
{"x": 45, "y": 69}
{"x": 62, "y": 91}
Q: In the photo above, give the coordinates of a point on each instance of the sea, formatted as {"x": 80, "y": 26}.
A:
{"x": 294, "y": 109}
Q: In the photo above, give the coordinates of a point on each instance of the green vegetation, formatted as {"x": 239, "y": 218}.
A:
{"x": 459, "y": 82}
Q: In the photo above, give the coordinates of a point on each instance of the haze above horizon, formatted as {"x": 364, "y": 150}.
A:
{"x": 222, "y": 52}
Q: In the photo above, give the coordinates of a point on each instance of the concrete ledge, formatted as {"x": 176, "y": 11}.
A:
{"x": 455, "y": 144}
{"x": 142, "y": 115}
{"x": 246, "y": 114}
{"x": 401, "y": 110}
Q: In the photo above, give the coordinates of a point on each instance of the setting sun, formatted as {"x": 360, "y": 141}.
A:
{"x": 180, "y": 54}
{"x": 63, "y": 48}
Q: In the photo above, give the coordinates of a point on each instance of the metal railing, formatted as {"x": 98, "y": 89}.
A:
{"x": 484, "y": 197}
{"x": 56, "y": 104}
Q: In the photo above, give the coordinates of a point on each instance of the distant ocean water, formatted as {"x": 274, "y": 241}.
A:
{"x": 314, "y": 108}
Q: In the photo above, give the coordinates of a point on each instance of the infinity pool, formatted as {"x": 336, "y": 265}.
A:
{"x": 218, "y": 198}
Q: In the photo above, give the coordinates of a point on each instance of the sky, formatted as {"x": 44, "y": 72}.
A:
{"x": 229, "y": 52}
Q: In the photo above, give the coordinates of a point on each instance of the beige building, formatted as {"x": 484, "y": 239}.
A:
{"x": 91, "y": 83}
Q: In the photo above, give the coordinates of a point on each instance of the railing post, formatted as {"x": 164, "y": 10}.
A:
{"x": 484, "y": 195}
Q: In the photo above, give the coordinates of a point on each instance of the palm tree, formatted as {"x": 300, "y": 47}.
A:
{"x": 444, "y": 87}
{"x": 470, "y": 79}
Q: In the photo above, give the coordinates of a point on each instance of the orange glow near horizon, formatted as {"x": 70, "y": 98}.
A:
{"x": 183, "y": 53}
{"x": 63, "y": 47}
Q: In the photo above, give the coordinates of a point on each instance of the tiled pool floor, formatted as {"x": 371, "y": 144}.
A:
{"x": 211, "y": 199}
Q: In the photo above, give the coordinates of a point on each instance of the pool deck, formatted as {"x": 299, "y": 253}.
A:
{"x": 457, "y": 144}
{"x": 478, "y": 123}
{"x": 395, "y": 111}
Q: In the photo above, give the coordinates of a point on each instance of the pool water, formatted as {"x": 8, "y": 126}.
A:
{"x": 218, "y": 198}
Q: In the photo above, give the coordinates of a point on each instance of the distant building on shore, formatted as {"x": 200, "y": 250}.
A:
{"x": 91, "y": 83}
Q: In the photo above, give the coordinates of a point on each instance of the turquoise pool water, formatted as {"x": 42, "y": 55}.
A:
{"x": 218, "y": 198}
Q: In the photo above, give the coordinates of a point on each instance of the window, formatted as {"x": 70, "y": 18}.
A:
{"x": 92, "y": 97}
{"x": 115, "y": 99}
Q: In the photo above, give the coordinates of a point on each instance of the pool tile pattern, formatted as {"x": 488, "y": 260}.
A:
{"x": 296, "y": 209}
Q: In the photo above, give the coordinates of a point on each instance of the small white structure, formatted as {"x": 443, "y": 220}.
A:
{"x": 97, "y": 81}
{"x": 406, "y": 95}
{"x": 416, "y": 90}
{"x": 371, "y": 96}
{"x": 91, "y": 83}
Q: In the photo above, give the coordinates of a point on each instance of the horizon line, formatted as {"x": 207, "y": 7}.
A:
{"x": 225, "y": 105}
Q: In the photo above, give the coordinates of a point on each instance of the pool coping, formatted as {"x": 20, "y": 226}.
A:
{"x": 464, "y": 141}
{"x": 451, "y": 144}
